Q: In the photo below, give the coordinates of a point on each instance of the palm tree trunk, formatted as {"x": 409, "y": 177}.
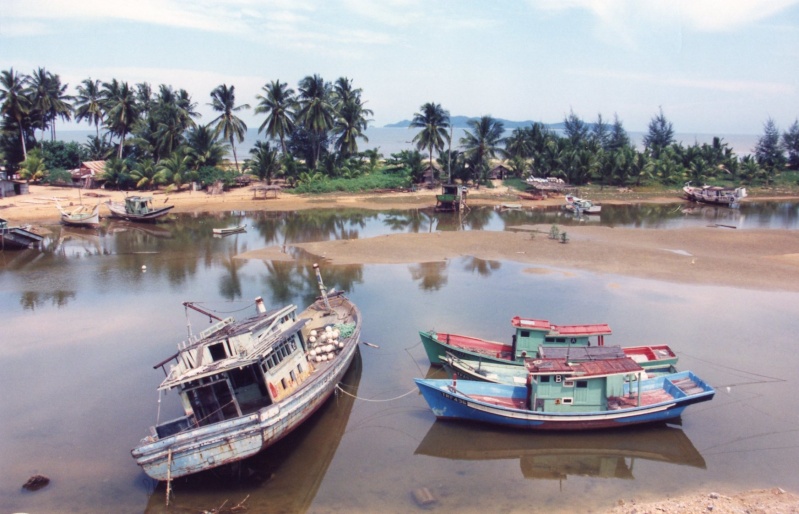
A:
{"x": 235, "y": 159}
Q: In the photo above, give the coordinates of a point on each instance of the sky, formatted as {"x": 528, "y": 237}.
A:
{"x": 713, "y": 66}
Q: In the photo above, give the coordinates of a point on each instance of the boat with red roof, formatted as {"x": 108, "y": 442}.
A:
{"x": 530, "y": 337}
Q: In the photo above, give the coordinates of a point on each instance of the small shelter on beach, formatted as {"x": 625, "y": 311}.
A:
{"x": 89, "y": 175}
{"x": 498, "y": 172}
{"x": 263, "y": 191}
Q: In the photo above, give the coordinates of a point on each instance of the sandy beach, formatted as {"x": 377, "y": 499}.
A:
{"x": 760, "y": 259}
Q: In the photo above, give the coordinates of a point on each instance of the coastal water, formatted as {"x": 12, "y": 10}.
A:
{"x": 87, "y": 317}
{"x": 389, "y": 140}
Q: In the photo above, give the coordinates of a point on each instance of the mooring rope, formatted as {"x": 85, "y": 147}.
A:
{"x": 338, "y": 386}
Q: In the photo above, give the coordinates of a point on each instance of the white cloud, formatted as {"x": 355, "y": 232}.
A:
{"x": 700, "y": 15}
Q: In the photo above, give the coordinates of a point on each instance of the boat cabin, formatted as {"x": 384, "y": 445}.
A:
{"x": 234, "y": 369}
{"x": 452, "y": 197}
{"x": 532, "y": 334}
{"x": 139, "y": 205}
{"x": 559, "y": 385}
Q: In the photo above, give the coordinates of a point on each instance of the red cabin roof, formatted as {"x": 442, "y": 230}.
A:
{"x": 601, "y": 329}
{"x": 533, "y": 324}
{"x": 582, "y": 369}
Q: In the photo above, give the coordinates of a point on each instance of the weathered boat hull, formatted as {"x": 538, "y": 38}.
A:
{"x": 119, "y": 211}
{"x": 17, "y": 238}
{"x": 230, "y": 441}
{"x": 653, "y": 358}
{"x": 447, "y": 402}
{"x": 81, "y": 218}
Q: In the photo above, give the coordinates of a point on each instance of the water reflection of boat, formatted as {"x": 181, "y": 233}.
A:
{"x": 229, "y": 230}
{"x": 246, "y": 384}
{"x": 557, "y": 455}
{"x": 144, "y": 228}
{"x": 282, "y": 478}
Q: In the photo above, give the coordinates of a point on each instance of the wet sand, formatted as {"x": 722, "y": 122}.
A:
{"x": 760, "y": 259}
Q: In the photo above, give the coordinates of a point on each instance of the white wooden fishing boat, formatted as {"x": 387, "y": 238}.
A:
{"x": 580, "y": 206}
{"x": 727, "y": 196}
{"x": 17, "y": 238}
{"x": 138, "y": 208}
{"x": 229, "y": 230}
{"x": 80, "y": 216}
{"x": 246, "y": 384}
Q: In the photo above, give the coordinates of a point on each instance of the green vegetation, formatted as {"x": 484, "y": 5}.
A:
{"x": 149, "y": 138}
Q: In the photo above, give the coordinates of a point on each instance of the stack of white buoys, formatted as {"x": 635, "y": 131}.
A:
{"x": 324, "y": 344}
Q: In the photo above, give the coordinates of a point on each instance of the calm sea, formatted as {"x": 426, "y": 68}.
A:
{"x": 394, "y": 140}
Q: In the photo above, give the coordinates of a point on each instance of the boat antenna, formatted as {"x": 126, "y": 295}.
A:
{"x": 321, "y": 285}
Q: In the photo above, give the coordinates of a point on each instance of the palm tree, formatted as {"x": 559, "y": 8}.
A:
{"x": 315, "y": 111}
{"x": 223, "y": 101}
{"x": 122, "y": 110}
{"x": 483, "y": 143}
{"x": 264, "y": 163}
{"x": 116, "y": 172}
{"x": 278, "y": 105}
{"x": 350, "y": 124}
{"x": 33, "y": 167}
{"x": 434, "y": 121}
{"x": 175, "y": 168}
{"x": 145, "y": 174}
{"x": 89, "y": 103}
{"x": 15, "y": 103}
{"x": 204, "y": 149}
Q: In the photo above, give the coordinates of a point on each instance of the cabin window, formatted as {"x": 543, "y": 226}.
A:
{"x": 299, "y": 368}
{"x": 524, "y": 333}
{"x": 567, "y": 401}
{"x": 283, "y": 382}
{"x": 218, "y": 352}
{"x": 293, "y": 376}
{"x": 544, "y": 379}
{"x": 582, "y": 384}
{"x": 568, "y": 383}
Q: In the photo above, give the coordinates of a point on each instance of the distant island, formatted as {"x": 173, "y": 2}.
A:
{"x": 463, "y": 122}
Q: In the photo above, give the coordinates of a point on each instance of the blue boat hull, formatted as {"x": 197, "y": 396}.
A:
{"x": 458, "y": 403}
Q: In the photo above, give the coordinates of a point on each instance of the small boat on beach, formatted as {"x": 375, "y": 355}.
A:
{"x": 580, "y": 206}
{"x": 81, "y": 216}
{"x": 541, "y": 339}
{"x": 17, "y": 238}
{"x": 727, "y": 196}
{"x": 229, "y": 230}
{"x": 246, "y": 384}
{"x": 563, "y": 395}
{"x": 137, "y": 208}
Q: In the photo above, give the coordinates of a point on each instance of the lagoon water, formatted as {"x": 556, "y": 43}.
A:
{"x": 84, "y": 323}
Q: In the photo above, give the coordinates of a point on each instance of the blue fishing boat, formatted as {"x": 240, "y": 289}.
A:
{"x": 530, "y": 337}
{"x": 244, "y": 385}
{"x": 563, "y": 395}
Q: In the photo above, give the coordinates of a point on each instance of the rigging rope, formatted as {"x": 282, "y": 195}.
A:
{"x": 338, "y": 386}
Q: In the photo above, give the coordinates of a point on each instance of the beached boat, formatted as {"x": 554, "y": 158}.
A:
{"x": 558, "y": 455}
{"x": 17, "y": 238}
{"x": 246, "y": 384}
{"x": 229, "y": 230}
{"x": 542, "y": 339}
{"x": 580, "y": 205}
{"x": 137, "y": 208}
{"x": 563, "y": 395}
{"x": 728, "y": 196}
{"x": 80, "y": 216}
{"x": 452, "y": 197}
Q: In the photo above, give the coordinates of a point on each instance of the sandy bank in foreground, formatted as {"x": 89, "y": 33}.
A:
{"x": 759, "y": 501}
